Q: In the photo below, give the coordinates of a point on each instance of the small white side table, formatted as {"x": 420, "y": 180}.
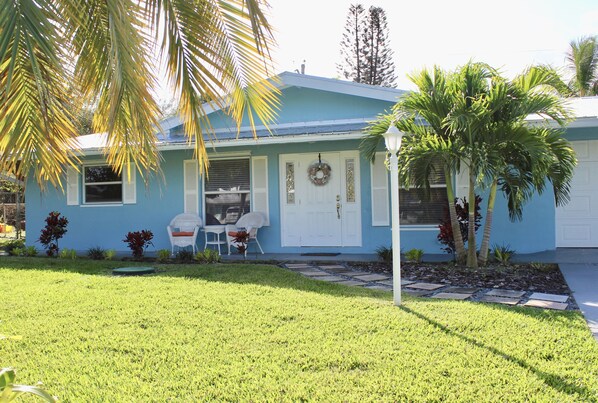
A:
{"x": 214, "y": 240}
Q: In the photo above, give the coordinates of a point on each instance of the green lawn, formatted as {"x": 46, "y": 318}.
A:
{"x": 249, "y": 332}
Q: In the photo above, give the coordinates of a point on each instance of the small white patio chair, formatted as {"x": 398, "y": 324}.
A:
{"x": 250, "y": 222}
{"x": 183, "y": 230}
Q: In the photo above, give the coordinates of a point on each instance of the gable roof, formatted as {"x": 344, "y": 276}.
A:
{"x": 170, "y": 136}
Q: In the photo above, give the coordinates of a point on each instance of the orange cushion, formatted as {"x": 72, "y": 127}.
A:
{"x": 182, "y": 233}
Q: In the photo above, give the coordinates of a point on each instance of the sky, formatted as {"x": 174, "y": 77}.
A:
{"x": 507, "y": 34}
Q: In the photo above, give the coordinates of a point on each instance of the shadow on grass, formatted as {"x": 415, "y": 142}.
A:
{"x": 276, "y": 277}
{"x": 554, "y": 381}
{"x": 233, "y": 273}
{"x": 236, "y": 273}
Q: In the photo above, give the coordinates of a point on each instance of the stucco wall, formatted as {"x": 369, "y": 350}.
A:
{"x": 159, "y": 201}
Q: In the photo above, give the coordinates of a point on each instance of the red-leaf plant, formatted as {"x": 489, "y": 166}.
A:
{"x": 445, "y": 236}
{"x": 54, "y": 230}
{"x": 241, "y": 239}
{"x": 138, "y": 242}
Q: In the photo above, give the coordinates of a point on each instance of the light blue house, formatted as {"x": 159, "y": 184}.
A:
{"x": 343, "y": 208}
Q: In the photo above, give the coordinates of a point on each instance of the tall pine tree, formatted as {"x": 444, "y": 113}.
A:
{"x": 366, "y": 54}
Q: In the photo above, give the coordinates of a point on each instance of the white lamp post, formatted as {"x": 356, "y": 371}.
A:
{"x": 392, "y": 139}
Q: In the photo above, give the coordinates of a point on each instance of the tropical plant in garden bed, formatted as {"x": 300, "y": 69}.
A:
{"x": 238, "y": 332}
{"x": 445, "y": 234}
{"x": 138, "y": 242}
{"x": 54, "y": 230}
{"x": 474, "y": 120}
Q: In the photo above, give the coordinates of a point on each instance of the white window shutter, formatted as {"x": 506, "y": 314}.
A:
{"x": 130, "y": 188}
{"x": 72, "y": 186}
{"x": 462, "y": 182}
{"x": 259, "y": 185}
{"x": 380, "y": 203}
{"x": 191, "y": 186}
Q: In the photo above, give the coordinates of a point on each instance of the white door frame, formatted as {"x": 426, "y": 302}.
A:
{"x": 350, "y": 209}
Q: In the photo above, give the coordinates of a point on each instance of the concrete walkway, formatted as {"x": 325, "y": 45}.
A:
{"x": 582, "y": 279}
{"x": 580, "y": 269}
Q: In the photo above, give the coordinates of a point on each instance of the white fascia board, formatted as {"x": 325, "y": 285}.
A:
{"x": 251, "y": 142}
{"x": 299, "y": 124}
{"x": 577, "y": 123}
{"x": 289, "y": 79}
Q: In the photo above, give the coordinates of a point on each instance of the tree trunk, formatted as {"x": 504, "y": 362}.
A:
{"x": 483, "y": 259}
{"x": 472, "y": 259}
{"x": 456, "y": 228}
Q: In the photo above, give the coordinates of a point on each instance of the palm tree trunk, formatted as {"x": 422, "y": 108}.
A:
{"x": 483, "y": 259}
{"x": 472, "y": 259}
{"x": 457, "y": 237}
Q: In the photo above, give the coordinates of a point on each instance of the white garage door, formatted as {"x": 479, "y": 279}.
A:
{"x": 577, "y": 222}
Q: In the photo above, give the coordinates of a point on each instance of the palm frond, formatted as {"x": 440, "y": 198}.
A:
{"x": 216, "y": 56}
{"x": 583, "y": 61}
{"x": 37, "y": 133}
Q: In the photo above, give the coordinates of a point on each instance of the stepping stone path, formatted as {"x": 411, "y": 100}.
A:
{"x": 451, "y": 295}
{"x": 340, "y": 274}
{"x": 371, "y": 277}
{"x": 425, "y": 286}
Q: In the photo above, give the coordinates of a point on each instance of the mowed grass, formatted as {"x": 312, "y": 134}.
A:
{"x": 249, "y": 332}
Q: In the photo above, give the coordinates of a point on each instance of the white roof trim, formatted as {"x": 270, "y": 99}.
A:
{"x": 287, "y": 79}
{"x": 287, "y": 139}
{"x": 364, "y": 120}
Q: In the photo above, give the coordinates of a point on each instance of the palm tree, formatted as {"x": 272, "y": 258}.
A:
{"x": 520, "y": 157}
{"x": 101, "y": 50}
{"x": 429, "y": 147}
{"x": 478, "y": 120}
{"x": 583, "y": 62}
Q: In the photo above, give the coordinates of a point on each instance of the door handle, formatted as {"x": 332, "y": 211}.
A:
{"x": 338, "y": 210}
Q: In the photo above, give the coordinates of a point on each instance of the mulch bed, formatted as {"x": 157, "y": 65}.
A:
{"x": 546, "y": 278}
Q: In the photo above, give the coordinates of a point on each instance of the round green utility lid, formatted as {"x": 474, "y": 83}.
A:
{"x": 133, "y": 271}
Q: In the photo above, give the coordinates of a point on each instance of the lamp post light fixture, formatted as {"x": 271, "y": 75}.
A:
{"x": 392, "y": 140}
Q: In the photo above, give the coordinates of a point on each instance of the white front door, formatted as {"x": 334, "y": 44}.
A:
{"x": 320, "y": 211}
{"x": 577, "y": 221}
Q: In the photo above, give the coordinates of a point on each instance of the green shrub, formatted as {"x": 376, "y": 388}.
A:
{"x": 15, "y": 243}
{"x": 163, "y": 255}
{"x": 184, "y": 256}
{"x": 96, "y": 253}
{"x": 414, "y": 255}
{"x": 110, "y": 254}
{"x": 207, "y": 256}
{"x": 67, "y": 253}
{"x": 30, "y": 251}
{"x": 17, "y": 251}
{"x": 385, "y": 254}
{"x": 538, "y": 265}
{"x": 503, "y": 253}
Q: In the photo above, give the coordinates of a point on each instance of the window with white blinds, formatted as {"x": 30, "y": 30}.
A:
{"x": 417, "y": 208}
{"x": 227, "y": 191}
